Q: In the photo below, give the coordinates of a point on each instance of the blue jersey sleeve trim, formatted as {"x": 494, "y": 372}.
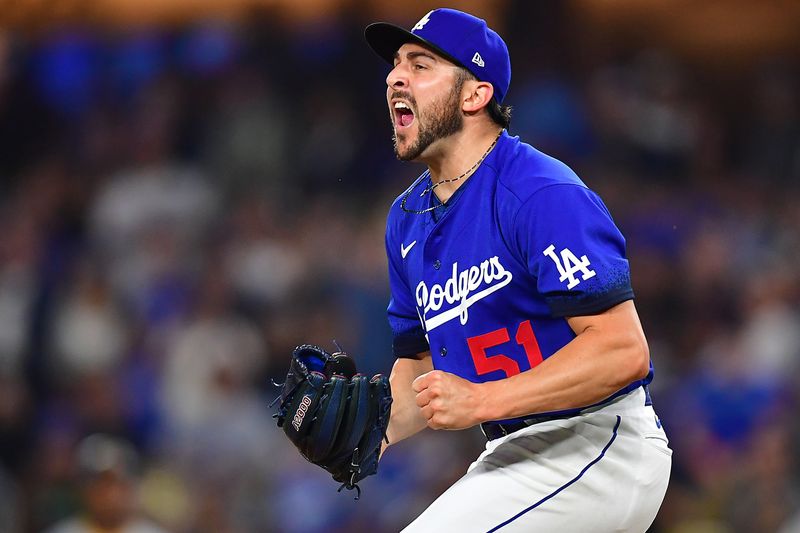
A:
{"x": 593, "y": 304}
{"x": 408, "y": 346}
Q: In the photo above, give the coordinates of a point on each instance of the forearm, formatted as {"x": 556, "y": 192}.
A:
{"x": 593, "y": 366}
{"x": 406, "y": 419}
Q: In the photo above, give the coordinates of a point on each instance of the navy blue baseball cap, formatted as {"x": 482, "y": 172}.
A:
{"x": 459, "y": 37}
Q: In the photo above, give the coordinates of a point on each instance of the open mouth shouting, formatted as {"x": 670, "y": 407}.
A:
{"x": 402, "y": 114}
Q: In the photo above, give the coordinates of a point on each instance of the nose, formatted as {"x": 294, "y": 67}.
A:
{"x": 397, "y": 78}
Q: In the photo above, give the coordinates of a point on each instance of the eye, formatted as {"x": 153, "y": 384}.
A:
{"x": 419, "y": 66}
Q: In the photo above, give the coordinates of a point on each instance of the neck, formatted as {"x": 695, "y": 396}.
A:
{"x": 456, "y": 155}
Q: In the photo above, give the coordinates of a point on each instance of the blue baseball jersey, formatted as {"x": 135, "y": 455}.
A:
{"x": 486, "y": 281}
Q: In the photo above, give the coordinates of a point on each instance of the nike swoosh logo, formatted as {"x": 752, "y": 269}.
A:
{"x": 405, "y": 249}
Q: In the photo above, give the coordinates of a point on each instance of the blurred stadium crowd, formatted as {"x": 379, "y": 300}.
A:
{"x": 180, "y": 208}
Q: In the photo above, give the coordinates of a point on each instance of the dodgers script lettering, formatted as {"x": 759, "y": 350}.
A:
{"x": 489, "y": 276}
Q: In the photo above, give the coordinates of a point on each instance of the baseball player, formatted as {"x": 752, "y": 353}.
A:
{"x": 511, "y": 304}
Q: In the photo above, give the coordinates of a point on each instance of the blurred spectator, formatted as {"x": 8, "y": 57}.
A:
{"x": 107, "y": 469}
{"x": 89, "y": 333}
{"x": 772, "y": 143}
{"x": 220, "y": 434}
{"x": 247, "y": 142}
{"x": 263, "y": 261}
{"x": 763, "y": 495}
{"x": 149, "y": 221}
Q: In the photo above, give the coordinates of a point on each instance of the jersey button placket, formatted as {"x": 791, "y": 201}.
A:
{"x": 443, "y": 351}
{"x": 437, "y": 264}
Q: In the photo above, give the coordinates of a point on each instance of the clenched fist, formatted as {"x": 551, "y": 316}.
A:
{"x": 448, "y": 401}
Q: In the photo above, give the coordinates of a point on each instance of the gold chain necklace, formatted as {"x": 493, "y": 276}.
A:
{"x": 430, "y": 189}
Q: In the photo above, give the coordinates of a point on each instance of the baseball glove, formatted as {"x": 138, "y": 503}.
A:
{"x": 335, "y": 416}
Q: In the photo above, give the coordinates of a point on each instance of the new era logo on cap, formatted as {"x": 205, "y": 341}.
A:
{"x": 454, "y": 35}
{"x": 424, "y": 20}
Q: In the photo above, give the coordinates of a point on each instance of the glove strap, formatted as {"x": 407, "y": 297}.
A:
{"x": 355, "y": 469}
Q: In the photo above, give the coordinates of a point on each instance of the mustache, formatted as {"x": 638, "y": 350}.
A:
{"x": 405, "y": 96}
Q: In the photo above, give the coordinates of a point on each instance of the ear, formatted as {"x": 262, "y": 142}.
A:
{"x": 476, "y": 95}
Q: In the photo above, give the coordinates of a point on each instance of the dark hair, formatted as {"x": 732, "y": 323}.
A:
{"x": 500, "y": 114}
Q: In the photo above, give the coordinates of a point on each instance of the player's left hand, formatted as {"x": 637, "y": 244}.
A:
{"x": 448, "y": 401}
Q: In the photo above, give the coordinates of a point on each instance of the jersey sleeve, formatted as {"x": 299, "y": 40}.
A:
{"x": 408, "y": 336}
{"x": 572, "y": 247}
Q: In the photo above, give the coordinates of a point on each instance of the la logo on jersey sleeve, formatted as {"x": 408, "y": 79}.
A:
{"x": 569, "y": 265}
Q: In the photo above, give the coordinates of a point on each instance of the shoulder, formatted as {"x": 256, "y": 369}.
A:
{"x": 530, "y": 181}
{"x": 523, "y": 171}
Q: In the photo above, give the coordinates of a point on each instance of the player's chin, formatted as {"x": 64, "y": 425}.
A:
{"x": 404, "y": 154}
{"x": 403, "y": 145}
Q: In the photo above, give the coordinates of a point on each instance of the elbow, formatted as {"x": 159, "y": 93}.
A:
{"x": 638, "y": 358}
{"x": 633, "y": 359}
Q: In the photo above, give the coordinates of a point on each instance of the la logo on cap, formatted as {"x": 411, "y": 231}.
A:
{"x": 424, "y": 20}
{"x": 478, "y": 60}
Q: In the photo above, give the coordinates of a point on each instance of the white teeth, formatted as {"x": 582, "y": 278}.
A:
{"x": 400, "y": 105}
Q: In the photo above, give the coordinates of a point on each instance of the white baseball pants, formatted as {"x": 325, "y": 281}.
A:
{"x": 597, "y": 472}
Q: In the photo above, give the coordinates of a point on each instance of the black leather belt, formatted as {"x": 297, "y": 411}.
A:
{"x": 495, "y": 430}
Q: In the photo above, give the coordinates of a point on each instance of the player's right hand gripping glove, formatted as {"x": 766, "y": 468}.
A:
{"x": 336, "y": 417}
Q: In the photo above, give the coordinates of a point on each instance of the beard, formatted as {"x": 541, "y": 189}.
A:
{"x": 441, "y": 120}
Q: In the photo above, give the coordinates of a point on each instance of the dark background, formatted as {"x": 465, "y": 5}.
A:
{"x": 188, "y": 190}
